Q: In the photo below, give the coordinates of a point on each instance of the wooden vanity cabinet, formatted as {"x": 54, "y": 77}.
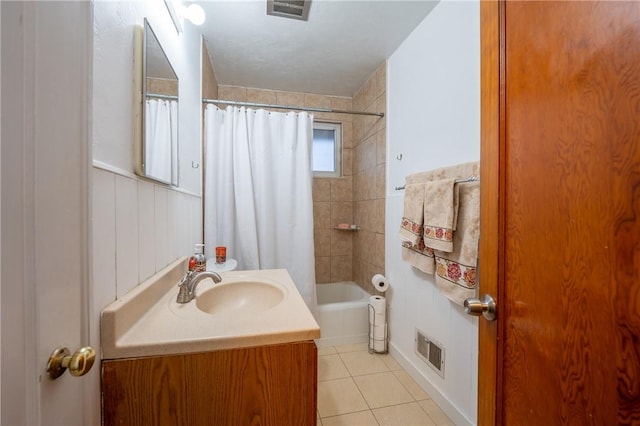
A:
{"x": 265, "y": 385}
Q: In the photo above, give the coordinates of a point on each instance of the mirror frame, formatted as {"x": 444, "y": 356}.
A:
{"x": 141, "y": 95}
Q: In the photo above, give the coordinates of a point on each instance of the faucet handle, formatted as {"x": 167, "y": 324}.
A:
{"x": 186, "y": 279}
{"x": 183, "y": 281}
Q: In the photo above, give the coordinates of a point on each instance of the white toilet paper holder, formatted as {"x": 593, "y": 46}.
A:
{"x": 376, "y": 339}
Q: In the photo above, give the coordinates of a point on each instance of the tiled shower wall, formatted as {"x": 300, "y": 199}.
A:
{"x": 369, "y": 177}
{"x": 209, "y": 81}
{"x": 356, "y": 197}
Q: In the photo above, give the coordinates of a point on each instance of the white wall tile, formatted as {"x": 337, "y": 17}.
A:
{"x": 126, "y": 235}
{"x": 175, "y": 224}
{"x": 182, "y": 243}
{"x": 162, "y": 227}
{"x": 103, "y": 222}
{"x": 185, "y": 246}
{"x": 195, "y": 221}
{"x": 146, "y": 229}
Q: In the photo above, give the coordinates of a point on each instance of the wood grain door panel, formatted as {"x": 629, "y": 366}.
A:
{"x": 568, "y": 182}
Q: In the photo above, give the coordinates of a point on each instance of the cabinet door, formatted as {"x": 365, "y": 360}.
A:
{"x": 270, "y": 385}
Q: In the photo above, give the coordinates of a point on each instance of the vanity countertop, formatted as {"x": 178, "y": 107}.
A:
{"x": 147, "y": 321}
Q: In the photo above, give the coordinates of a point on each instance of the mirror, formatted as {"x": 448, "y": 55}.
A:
{"x": 158, "y": 150}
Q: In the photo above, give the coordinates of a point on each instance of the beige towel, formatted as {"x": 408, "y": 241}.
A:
{"x": 456, "y": 271}
{"x": 412, "y": 216}
{"x": 440, "y": 213}
{"x": 419, "y": 256}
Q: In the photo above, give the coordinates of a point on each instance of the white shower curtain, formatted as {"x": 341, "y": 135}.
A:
{"x": 258, "y": 184}
{"x": 161, "y": 140}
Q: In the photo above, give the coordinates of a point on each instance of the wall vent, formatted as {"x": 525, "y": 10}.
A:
{"x": 430, "y": 351}
{"x": 295, "y": 9}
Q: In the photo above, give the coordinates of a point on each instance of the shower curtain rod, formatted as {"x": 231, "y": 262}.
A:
{"x": 159, "y": 96}
{"x": 290, "y": 107}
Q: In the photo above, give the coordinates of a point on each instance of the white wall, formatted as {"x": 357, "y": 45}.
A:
{"x": 113, "y": 88}
{"x": 433, "y": 89}
{"x": 138, "y": 227}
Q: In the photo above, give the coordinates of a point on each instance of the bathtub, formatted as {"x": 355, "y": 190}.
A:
{"x": 343, "y": 313}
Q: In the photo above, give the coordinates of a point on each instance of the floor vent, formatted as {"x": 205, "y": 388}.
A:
{"x": 295, "y": 9}
{"x": 431, "y": 352}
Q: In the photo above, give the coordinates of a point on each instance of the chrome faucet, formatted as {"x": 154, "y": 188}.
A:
{"x": 190, "y": 281}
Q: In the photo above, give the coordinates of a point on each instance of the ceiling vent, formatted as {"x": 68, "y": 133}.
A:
{"x": 295, "y": 9}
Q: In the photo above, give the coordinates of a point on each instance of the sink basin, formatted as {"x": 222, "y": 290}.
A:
{"x": 240, "y": 296}
{"x": 148, "y": 320}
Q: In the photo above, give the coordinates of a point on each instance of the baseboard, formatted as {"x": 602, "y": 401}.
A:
{"x": 342, "y": 340}
{"x": 450, "y": 410}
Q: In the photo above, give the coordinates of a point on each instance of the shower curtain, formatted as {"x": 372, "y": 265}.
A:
{"x": 161, "y": 140}
{"x": 258, "y": 184}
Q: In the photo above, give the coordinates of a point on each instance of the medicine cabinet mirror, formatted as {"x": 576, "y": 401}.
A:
{"x": 157, "y": 110}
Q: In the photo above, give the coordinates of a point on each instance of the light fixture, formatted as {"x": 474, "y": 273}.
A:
{"x": 194, "y": 13}
{"x": 179, "y": 12}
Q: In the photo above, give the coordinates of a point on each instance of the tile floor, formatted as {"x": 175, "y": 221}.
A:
{"x": 356, "y": 388}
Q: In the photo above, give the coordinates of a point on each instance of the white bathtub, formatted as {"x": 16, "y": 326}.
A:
{"x": 343, "y": 313}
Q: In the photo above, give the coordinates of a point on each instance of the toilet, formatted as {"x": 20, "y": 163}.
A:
{"x": 230, "y": 265}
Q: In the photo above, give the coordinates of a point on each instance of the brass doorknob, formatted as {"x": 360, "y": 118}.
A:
{"x": 78, "y": 364}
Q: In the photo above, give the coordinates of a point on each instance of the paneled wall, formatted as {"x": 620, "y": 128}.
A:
{"x": 139, "y": 228}
{"x": 332, "y": 197}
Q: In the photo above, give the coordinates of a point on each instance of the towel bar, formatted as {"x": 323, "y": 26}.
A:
{"x": 469, "y": 179}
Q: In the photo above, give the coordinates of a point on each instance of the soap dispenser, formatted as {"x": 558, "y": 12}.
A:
{"x": 200, "y": 262}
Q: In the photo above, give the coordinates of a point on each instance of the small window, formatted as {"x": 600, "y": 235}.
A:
{"x": 326, "y": 149}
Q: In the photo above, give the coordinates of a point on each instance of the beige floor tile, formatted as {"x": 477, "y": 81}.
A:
{"x": 437, "y": 415}
{"x": 402, "y": 415}
{"x": 414, "y": 389}
{"x": 362, "y": 362}
{"x": 331, "y": 367}
{"x": 391, "y": 363}
{"x": 363, "y": 418}
{"x": 339, "y": 396}
{"x": 352, "y": 348}
{"x": 326, "y": 350}
{"x": 382, "y": 390}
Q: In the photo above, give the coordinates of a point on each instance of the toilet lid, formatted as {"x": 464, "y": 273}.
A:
{"x": 229, "y": 265}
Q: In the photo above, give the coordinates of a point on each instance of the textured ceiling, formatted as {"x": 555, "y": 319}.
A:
{"x": 333, "y": 53}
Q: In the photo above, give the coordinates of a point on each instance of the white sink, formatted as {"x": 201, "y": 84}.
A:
{"x": 148, "y": 321}
{"x": 240, "y": 297}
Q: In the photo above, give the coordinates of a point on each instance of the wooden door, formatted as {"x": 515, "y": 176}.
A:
{"x": 45, "y": 161}
{"x": 561, "y": 148}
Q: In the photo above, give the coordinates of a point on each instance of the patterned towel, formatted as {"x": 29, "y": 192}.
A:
{"x": 440, "y": 213}
{"x": 413, "y": 214}
{"x": 419, "y": 256}
{"x": 456, "y": 271}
